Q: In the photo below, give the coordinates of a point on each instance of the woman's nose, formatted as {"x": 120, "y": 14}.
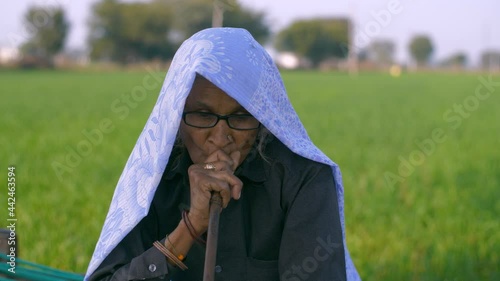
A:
{"x": 219, "y": 134}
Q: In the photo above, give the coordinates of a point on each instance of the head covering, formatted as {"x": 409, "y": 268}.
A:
{"x": 231, "y": 59}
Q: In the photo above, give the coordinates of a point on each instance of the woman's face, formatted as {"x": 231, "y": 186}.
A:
{"x": 202, "y": 142}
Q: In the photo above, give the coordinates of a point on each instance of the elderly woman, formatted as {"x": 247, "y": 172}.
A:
{"x": 223, "y": 123}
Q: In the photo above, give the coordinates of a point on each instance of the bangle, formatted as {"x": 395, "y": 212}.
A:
{"x": 190, "y": 227}
{"x": 180, "y": 256}
{"x": 169, "y": 255}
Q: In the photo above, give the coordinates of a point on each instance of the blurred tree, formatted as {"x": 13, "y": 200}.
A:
{"x": 490, "y": 60}
{"x": 131, "y": 32}
{"x": 105, "y": 36}
{"x": 195, "y": 15}
{"x": 135, "y": 31}
{"x": 316, "y": 39}
{"x": 421, "y": 49}
{"x": 458, "y": 60}
{"x": 48, "y": 28}
{"x": 382, "y": 52}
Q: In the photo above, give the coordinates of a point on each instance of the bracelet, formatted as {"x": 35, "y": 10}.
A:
{"x": 180, "y": 256}
{"x": 190, "y": 227}
{"x": 169, "y": 255}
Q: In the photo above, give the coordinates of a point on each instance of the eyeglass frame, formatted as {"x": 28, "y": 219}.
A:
{"x": 219, "y": 117}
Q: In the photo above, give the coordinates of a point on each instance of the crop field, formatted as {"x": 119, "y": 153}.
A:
{"x": 420, "y": 156}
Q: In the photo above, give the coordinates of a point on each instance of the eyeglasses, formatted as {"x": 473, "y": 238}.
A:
{"x": 209, "y": 120}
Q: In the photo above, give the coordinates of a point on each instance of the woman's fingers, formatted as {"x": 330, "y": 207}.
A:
{"x": 215, "y": 175}
{"x": 218, "y": 166}
{"x": 234, "y": 183}
{"x": 218, "y": 178}
{"x": 235, "y": 156}
{"x": 236, "y": 189}
{"x": 218, "y": 156}
{"x": 231, "y": 163}
{"x": 217, "y": 185}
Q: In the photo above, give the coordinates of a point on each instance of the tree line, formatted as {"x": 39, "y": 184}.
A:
{"x": 130, "y": 32}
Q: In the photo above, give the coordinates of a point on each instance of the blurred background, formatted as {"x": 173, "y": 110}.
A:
{"x": 372, "y": 34}
{"x": 403, "y": 95}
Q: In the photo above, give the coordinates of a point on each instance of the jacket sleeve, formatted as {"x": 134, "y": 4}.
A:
{"x": 135, "y": 257}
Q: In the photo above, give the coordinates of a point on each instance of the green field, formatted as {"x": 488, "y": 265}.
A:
{"x": 422, "y": 179}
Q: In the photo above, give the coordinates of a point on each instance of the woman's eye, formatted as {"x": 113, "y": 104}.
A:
{"x": 205, "y": 115}
{"x": 240, "y": 119}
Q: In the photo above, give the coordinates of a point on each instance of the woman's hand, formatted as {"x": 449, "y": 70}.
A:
{"x": 203, "y": 181}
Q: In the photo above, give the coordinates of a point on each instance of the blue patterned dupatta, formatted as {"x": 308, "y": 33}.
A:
{"x": 232, "y": 60}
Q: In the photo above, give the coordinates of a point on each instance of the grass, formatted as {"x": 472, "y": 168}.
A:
{"x": 436, "y": 221}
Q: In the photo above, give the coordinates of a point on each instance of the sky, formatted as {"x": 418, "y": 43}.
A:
{"x": 453, "y": 25}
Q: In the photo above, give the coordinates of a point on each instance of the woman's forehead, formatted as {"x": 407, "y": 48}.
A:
{"x": 206, "y": 95}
